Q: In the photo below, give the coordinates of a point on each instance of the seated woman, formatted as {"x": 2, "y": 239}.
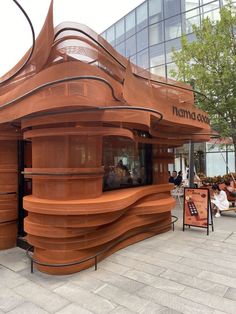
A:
{"x": 230, "y": 188}
{"x": 219, "y": 199}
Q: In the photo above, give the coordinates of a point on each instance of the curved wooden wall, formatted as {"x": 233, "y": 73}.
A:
{"x": 8, "y": 193}
{"x": 74, "y": 90}
{"x": 69, "y": 217}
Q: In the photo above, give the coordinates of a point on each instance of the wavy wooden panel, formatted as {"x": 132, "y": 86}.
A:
{"x": 8, "y": 194}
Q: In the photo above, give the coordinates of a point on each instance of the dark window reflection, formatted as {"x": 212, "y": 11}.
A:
{"x": 126, "y": 164}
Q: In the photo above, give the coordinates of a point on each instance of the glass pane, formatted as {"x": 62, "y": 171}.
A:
{"x": 157, "y": 55}
{"x": 125, "y": 165}
{"x": 215, "y": 164}
{"x": 171, "y": 7}
{"x": 155, "y": 11}
{"x": 156, "y": 34}
{"x": 173, "y": 27}
{"x": 170, "y": 67}
{"x": 111, "y": 35}
{"x": 205, "y": 1}
{"x": 210, "y": 7}
{"x": 190, "y": 22}
{"x": 133, "y": 59}
{"x": 142, "y": 59}
{"x": 189, "y": 4}
{"x": 142, "y": 39}
{"x": 130, "y": 24}
{"x": 121, "y": 48}
{"x": 161, "y": 70}
{"x": 131, "y": 46}
{"x": 141, "y": 12}
{"x": 231, "y": 163}
{"x": 120, "y": 31}
{"x": 212, "y": 15}
{"x": 192, "y": 13}
{"x": 170, "y": 45}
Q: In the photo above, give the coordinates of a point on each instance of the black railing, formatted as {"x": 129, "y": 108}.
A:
{"x": 95, "y": 257}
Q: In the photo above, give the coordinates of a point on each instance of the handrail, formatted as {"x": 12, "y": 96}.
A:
{"x": 95, "y": 257}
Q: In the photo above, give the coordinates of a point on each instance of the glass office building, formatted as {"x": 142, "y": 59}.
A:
{"x": 148, "y": 34}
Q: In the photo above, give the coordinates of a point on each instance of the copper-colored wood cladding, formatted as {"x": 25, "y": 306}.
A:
{"x": 74, "y": 91}
{"x": 8, "y": 193}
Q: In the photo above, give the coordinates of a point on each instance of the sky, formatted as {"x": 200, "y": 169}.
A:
{"x": 15, "y": 32}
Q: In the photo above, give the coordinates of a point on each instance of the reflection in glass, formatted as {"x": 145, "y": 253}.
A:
{"x": 173, "y": 27}
{"x": 142, "y": 39}
{"x": 157, "y": 55}
{"x": 120, "y": 31}
{"x": 142, "y": 59}
{"x": 170, "y": 45}
{"x": 130, "y": 24}
{"x": 155, "y": 11}
{"x": 156, "y": 34}
{"x": 160, "y": 70}
{"x": 121, "y": 48}
{"x": 125, "y": 163}
{"x": 131, "y": 46}
{"x": 111, "y": 35}
{"x": 172, "y": 7}
{"x": 141, "y": 12}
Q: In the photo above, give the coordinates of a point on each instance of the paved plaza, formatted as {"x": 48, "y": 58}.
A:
{"x": 176, "y": 272}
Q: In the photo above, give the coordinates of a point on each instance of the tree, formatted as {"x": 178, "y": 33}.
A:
{"x": 210, "y": 61}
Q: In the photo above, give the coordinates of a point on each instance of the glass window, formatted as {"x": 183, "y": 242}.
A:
{"x": 173, "y": 27}
{"x": 171, "y": 67}
{"x": 120, "y": 31}
{"x": 215, "y": 164}
{"x": 171, "y": 7}
{"x": 170, "y": 45}
{"x": 111, "y": 35}
{"x": 210, "y": 7}
{"x": 189, "y": 4}
{"x": 192, "y": 13}
{"x": 141, "y": 12}
{"x": 212, "y": 15}
{"x": 142, "y": 39}
{"x": 125, "y": 165}
{"x": 155, "y": 11}
{"x": 121, "y": 48}
{"x": 156, "y": 34}
{"x": 191, "y": 37}
{"x": 131, "y": 46}
{"x": 204, "y": 1}
{"x": 160, "y": 71}
{"x": 231, "y": 162}
{"x": 133, "y": 59}
{"x": 157, "y": 55}
{"x": 130, "y": 24}
{"x": 142, "y": 59}
{"x": 190, "y": 22}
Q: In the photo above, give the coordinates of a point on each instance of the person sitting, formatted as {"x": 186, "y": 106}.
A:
{"x": 219, "y": 200}
{"x": 230, "y": 188}
{"x": 176, "y": 179}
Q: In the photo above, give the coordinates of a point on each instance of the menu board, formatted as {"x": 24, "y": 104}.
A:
{"x": 197, "y": 208}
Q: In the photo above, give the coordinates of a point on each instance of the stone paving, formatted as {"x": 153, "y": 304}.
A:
{"x": 176, "y": 272}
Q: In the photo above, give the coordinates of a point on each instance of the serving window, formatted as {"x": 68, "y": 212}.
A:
{"x": 126, "y": 163}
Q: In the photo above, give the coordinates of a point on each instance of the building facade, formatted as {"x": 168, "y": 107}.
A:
{"x": 147, "y": 36}
{"x": 85, "y": 146}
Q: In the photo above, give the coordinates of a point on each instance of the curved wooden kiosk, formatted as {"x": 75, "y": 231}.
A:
{"x": 101, "y": 130}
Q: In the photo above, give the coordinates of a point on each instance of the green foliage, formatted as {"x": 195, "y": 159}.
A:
{"x": 211, "y": 62}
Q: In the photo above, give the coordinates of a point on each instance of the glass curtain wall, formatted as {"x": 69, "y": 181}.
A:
{"x": 148, "y": 34}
